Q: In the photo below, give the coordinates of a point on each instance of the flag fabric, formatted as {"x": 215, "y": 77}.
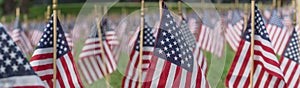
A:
{"x": 20, "y": 38}
{"x": 69, "y": 40}
{"x": 15, "y": 71}
{"x": 172, "y": 63}
{"x": 279, "y": 35}
{"x": 35, "y": 36}
{"x": 210, "y": 36}
{"x": 131, "y": 78}
{"x": 90, "y": 59}
{"x": 191, "y": 41}
{"x": 42, "y": 60}
{"x": 289, "y": 61}
{"x": 113, "y": 42}
{"x": 267, "y": 71}
{"x": 234, "y": 30}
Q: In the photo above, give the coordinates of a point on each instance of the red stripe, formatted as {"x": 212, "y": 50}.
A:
{"x": 43, "y": 67}
{"x": 150, "y": 72}
{"x": 75, "y": 70}
{"x": 243, "y": 67}
{"x": 177, "y": 78}
{"x": 85, "y": 67}
{"x": 41, "y": 56}
{"x": 267, "y": 83}
{"x": 59, "y": 79}
{"x": 81, "y": 70}
{"x": 67, "y": 71}
{"x": 164, "y": 76}
{"x": 188, "y": 79}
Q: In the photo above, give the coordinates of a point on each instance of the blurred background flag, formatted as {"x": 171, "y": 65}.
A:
{"x": 289, "y": 61}
{"x": 234, "y": 30}
{"x": 131, "y": 79}
{"x": 15, "y": 71}
{"x": 173, "y": 64}
{"x": 42, "y": 59}
{"x": 90, "y": 60}
{"x": 267, "y": 71}
{"x": 279, "y": 35}
{"x": 20, "y": 38}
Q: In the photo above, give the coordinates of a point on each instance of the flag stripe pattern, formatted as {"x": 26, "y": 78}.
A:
{"x": 20, "y": 38}
{"x": 172, "y": 63}
{"x": 234, "y": 31}
{"x": 131, "y": 78}
{"x": 210, "y": 37}
{"x": 267, "y": 71}
{"x": 279, "y": 35}
{"x": 289, "y": 61}
{"x": 15, "y": 70}
{"x": 35, "y": 36}
{"x": 90, "y": 60}
{"x": 42, "y": 59}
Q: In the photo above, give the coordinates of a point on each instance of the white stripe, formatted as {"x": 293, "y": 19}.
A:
{"x": 89, "y": 68}
{"x": 102, "y": 66}
{"x": 63, "y": 74}
{"x": 256, "y": 74}
{"x": 110, "y": 56}
{"x": 91, "y": 46}
{"x": 96, "y": 66}
{"x": 44, "y": 72}
{"x": 183, "y": 78}
{"x": 239, "y": 64}
{"x": 296, "y": 76}
{"x": 71, "y": 70}
{"x": 17, "y": 81}
{"x": 171, "y": 76}
{"x": 43, "y": 51}
{"x": 58, "y": 84}
{"x": 284, "y": 62}
{"x": 92, "y": 40}
{"x": 158, "y": 69}
{"x": 84, "y": 71}
{"x": 264, "y": 79}
{"x": 268, "y": 66}
{"x": 272, "y": 82}
{"x": 194, "y": 75}
{"x": 89, "y": 53}
{"x": 130, "y": 69}
{"x": 41, "y": 62}
{"x": 291, "y": 67}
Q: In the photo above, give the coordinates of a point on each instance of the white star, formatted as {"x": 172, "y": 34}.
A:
{"x": 173, "y": 52}
{"x": 3, "y": 36}
{"x": 10, "y": 42}
{"x": 12, "y": 55}
{"x": 5, "y": 48}
{"x": 14, "y": 67}
{"x": 2, "y": 69}
{"x": 170, "y": 45}
{"x": 167, "y": 39}
{"x": 7, "y": 62}
{"x": 27, "y": 66}
{"x": 165, "y": 48}
{"x": 168, "y": 54}
{"x": 168, "y": 16}
{"x": 177, "y": 49}
{"x": 166, "y": 24}
{"x": 162, "y": 42}
{"x": 20, "y": 60}
{"x": 175, "y": 58}
{"x": 160, "y": 51}
{"x": 182, "y": 62}
{"x": 164, "y": 33}
{"x": 189, "y": 65}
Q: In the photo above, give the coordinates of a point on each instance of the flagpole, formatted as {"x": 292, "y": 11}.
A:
{"x": 179, "y": 9}
{"x": 252, "y": 43}
{"x": 48, "y": 13}
{"x": 54, "y": 7}
{"x": 274, "y": 4}
{"x": 106, "y": 74}
{"x": 278, "y": 4}
{"x": 141, "y": 42}
{"x": 18, "y": 12}
{"x": 237, "y": 4}
{"x": 245, "y": 16}
{"x": 160, "y": 9}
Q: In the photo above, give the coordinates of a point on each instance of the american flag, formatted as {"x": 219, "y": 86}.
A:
{"x": 210, "y": 36}
{"x": 113, "y": 42}
{"x": 20, "y": 38}
{"x": 131, "y": 78}
{"x": 69, "y": 40}
{"x": 279, "y": 35}
{"x": 90, "y": 60}
{"x": 289, "y": 61}
{"x": 191, "y": 41}
{"x": 15, "y": 71}
{"x": 35, "y": 36}
{"x": 172, "y": 63}
{"x": 234, "y": 30}
{"x": 267, "y": 72}
{"x": 42, "y": 59}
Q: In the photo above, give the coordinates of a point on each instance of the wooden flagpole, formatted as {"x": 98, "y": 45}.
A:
{"x": 141, "y": 42}
{"x": 105, "y": 71}
{"x": 54, "y": 7}
{"x": 48, "y": 13}
{"x": 237, "y": 4}
{"x": 252, "y": 43}
{"x": 274, "y": 4}
{"x": 18, "y": 12}
{"x": 25, "y": 17}
{"x": 179, "y": 9}
{"x": 245, "y": 16}
{"x": 160, "y": 9}
{"x": 279, "y": 3}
